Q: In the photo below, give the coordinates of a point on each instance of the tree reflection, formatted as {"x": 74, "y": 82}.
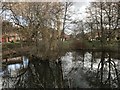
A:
{"x": 39, "y": 74}
{"x": 87, "y": 70}
{"x": 92, "y": 59}
{"x": 107, "y": 72}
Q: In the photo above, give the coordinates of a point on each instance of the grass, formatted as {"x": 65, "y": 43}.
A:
{"x": 93, "y": 44}
{"x": 113, "y": 45}
{"x": 6, "y": 46}
{"x": 71, "y": 44}
{"x": 67, "y": 44}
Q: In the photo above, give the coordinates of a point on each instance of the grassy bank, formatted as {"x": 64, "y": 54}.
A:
{"x": 95, "y": 45}
{"x": 69, "y": 45}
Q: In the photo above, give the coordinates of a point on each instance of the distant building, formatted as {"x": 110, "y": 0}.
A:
{"x": 9, "y": 32}
{"x": 11, "y": 37}
{"x": 65, "y": 37}
{"x": 96, "y": 35}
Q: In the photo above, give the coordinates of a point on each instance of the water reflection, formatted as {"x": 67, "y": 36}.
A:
{"x": 74, "y": 70}
{"x": 93, "y": 69}
{"x": 38, "y": 74}
{"x": 108, "y": 72}
{"x": 45, "y": 74}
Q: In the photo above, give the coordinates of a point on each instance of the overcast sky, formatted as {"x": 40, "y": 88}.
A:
{"x": 79, "y": 9}
{"x": 79, "y": 12}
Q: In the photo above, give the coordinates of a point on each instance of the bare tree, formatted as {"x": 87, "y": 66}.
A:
{"x": 42, "y": 23}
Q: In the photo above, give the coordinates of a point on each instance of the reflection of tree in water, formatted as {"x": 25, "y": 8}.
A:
{"x": 106, "y": 75}
{"x": 13, "y": 81}
{"x": 107, "y": 72}
{"x": 40, "y": 74}
{"x": 46, "y": 74}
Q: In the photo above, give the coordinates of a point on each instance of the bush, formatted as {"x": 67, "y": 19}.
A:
{"x": 78, "y": 44}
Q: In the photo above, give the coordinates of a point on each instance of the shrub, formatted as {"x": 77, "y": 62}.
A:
{"x": 77, "y": 44}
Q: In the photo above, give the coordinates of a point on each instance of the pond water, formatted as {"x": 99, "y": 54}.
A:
{"x": 73, "y": 70}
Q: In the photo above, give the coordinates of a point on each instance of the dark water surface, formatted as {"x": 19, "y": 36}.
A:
{"x": 73, "y": 70}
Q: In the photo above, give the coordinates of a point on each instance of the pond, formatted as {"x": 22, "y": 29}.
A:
{"x": 73, "y": 70}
